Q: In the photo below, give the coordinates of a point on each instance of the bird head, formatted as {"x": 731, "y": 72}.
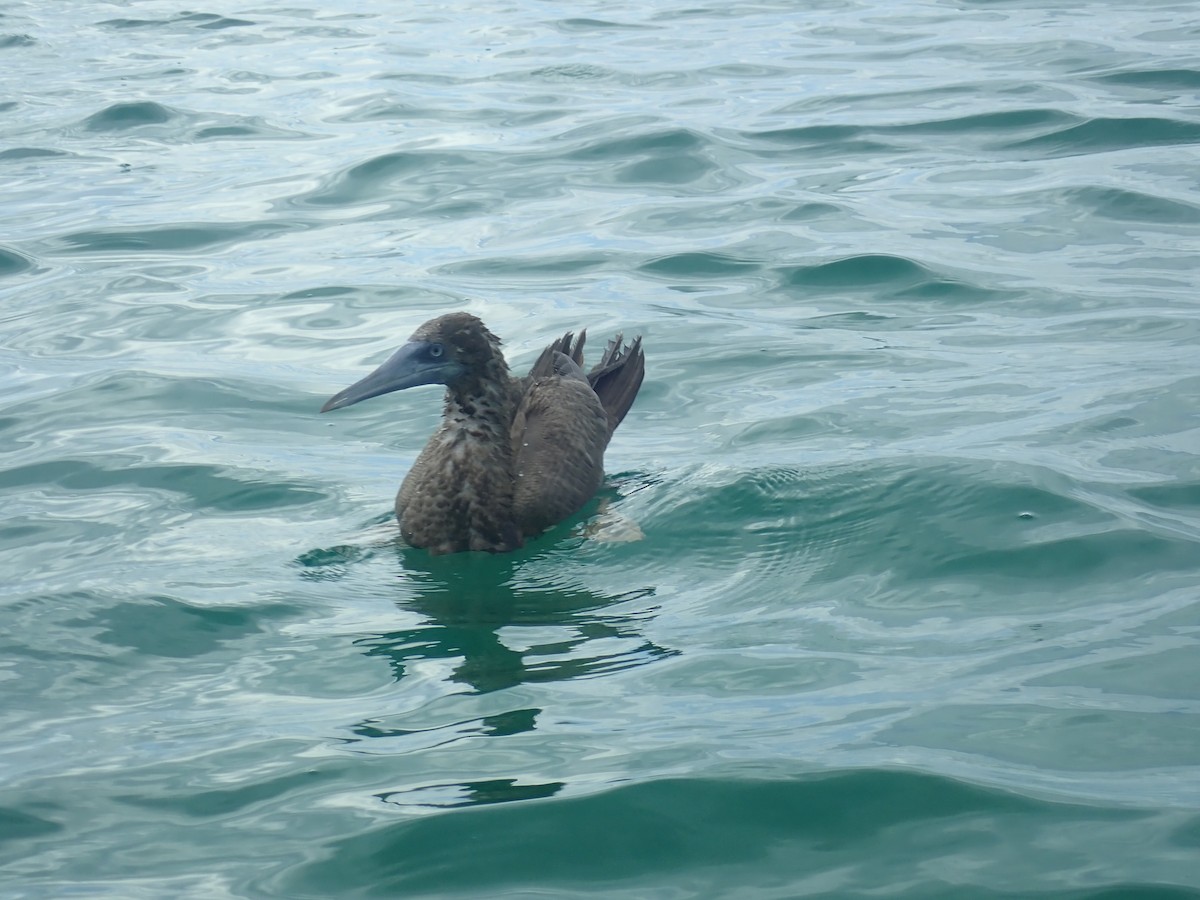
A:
{"x": 444, "y": 350}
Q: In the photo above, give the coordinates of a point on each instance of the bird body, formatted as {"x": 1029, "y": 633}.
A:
{"x": 512, "y": 456}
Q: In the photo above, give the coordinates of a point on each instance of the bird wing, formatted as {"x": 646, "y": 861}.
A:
{"x": 559, "y": 434}
{"x": 617, "y": 378}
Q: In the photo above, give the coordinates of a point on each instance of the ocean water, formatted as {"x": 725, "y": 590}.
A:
{"x": 916, "y": 608}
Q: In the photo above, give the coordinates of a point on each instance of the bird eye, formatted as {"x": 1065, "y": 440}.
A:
{"x": 436, "y": 350}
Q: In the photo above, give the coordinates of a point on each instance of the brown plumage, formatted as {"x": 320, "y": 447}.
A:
{"x": 513, "y": 456}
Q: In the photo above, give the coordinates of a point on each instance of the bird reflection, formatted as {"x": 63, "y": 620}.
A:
{"x": 466, "y": 606}
{"x": 470, "y": 793}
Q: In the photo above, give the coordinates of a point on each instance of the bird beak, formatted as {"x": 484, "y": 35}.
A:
{"x": 410, "y": 366}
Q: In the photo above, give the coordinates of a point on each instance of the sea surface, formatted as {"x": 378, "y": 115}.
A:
{"x": 915, "y": 607}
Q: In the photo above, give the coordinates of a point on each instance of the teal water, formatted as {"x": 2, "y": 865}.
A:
{"x": 916, "y": 613}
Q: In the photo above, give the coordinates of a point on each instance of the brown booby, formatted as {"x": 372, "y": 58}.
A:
{"x": 513, "y": 456}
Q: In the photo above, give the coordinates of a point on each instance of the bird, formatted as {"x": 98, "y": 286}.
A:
{"x": 512, "y": 456}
